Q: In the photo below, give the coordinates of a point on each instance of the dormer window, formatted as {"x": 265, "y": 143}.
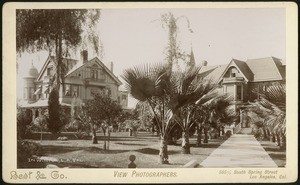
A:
{"x": 233, "y": 72}
{"x": 94, "y": 72}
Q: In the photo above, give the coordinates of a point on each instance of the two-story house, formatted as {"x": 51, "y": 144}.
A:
{"x": 243, "y": 80}
{"x": 83, "y": 79}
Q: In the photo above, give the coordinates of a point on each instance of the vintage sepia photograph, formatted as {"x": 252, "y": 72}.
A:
{"x": 151, "y": 88}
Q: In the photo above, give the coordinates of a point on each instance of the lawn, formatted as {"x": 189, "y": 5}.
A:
{"x": 278, "y": 155}
{"x": 84, "y": 154}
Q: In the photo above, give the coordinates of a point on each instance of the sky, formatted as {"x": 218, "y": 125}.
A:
{"x": 135, "y": 36}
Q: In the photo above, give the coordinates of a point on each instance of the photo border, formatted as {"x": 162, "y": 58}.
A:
{"x": 196, "y": 175}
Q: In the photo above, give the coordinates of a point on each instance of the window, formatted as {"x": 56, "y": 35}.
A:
{"x": 67, "y": 90}
{"x": 102, "y": 75}
{"x": 233, "y": 72}
{"x": 239, "y": 92}
{"x": 71, "y": 90}
{"x": 49, "y": 71}
{"x": 75, "y": 91}
{"x": 25, "y": 93}
{"x": 31, "y": 93}
{"x": 94, "y": 73}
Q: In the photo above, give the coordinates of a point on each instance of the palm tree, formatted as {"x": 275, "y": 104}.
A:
{"x": 214, "y": 113}
{"x": 272, "y": 108}
{"x": 151, "y": 85}
{"x": 189, "y": 93}
{"x": 171, "y": 96}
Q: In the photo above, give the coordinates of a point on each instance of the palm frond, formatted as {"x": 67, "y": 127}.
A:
{"x": 139, "y": 82}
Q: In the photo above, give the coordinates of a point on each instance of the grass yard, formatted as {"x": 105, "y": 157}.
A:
{"x": 278, "y": 155}
{"x": 84, "y": 154}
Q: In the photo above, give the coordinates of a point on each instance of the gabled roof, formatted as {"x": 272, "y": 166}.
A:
{"x": 266, "y": 69}
{"x": 242, "y": 67}
{"x": 44, "y": 67}
{"x": 48, "y": 60}
{"x": 214, "y": 72}
{"x": 254, "y": 70}
{"x": 81, "y": 65}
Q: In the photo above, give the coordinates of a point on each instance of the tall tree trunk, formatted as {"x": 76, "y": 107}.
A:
{"x": 272, "y": 137}
{"x": 278, "y": 139}
{"x": 60, "y": 65}
{"x": 218, "y": 132}
{"x": 282, "y": 141}
{"x": 94, "y": 134}
{"x": 205, "y": 136}
{"x": 104, "y": 138}
{"x": 185, "y": 145}
{"x": 199, "y": 135}
{"x": 163, "y": 151}
{"x": 265, "y": 134}
{"x": 268, "y": 133}
{"x": 108, "y": 138}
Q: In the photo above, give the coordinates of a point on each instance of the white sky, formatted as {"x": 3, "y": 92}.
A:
{"x": 135, "y": 36}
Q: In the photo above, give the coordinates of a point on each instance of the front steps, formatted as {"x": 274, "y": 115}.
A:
{"x": 247, "y": 131}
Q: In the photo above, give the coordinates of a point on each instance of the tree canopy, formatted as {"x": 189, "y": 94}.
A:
{"x": 39, "y": 29}
{"x": 57, "y": 31}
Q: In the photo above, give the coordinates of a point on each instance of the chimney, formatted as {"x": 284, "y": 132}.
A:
{"x": 112, "y": 67}
{"x": 84, "y": 56}
{"x": 204, "y": 63}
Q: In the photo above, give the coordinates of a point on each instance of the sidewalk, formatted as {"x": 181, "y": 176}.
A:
{"x": 239, "y": 151}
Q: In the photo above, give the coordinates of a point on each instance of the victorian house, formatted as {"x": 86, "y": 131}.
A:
{"x": 83, "y": 79}
{"x": 243, "y": 80}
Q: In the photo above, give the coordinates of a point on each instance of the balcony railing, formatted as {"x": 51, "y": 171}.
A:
{"x": 95, "y": 79}
{"x": 233, "y": 79}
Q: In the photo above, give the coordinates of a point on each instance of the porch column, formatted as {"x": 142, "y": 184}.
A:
{"x": 242, "y": 91}
{"x": 234, "y": 92}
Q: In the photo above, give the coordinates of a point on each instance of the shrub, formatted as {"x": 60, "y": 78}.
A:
{"x": 54, "y": 121}
{"x": 26, "y": 150}
{"x": 24, "y": 118}
{"x": 228, "y": 133}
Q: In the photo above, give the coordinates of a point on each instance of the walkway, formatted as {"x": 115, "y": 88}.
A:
{"x": 239, "y": 151}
